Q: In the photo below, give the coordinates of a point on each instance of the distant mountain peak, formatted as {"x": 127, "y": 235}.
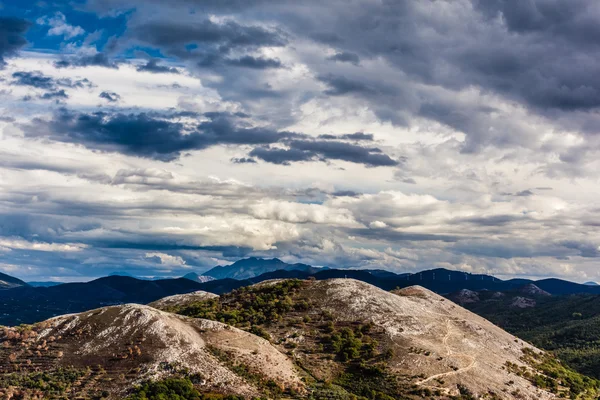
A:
{"x": 252, "y": 267}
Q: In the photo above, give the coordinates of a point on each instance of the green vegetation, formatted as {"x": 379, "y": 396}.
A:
{"x": 569, "y": 326}
{"x": 52, "y": 384}
{"x": 249, "y": 307}
{"x": 549, "y": 374}
{"x": 174, "y": 389}
{"x": 279, "y": 306}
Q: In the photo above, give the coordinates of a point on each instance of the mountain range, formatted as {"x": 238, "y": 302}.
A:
{"x": 22, "y": 303}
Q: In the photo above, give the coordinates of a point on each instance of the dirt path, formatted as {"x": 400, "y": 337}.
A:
{"x": 449, "y": 353}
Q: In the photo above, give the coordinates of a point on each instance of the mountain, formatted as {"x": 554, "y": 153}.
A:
{"x": 409, "y": 344}
{"x": 44, "y": 284}
{"x": 591, "y": 284}
{"x": 253, "y": 267}
{"x": 32, "y": 304}
{"x": 26, "y": 304}
{"x": 10, "y": 282}
{"x": 198, "y": 278}
{"x": 105, "y": 352}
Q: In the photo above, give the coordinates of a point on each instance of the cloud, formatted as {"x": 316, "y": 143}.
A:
{"x": 347, "y": 57}
{"x": 96, "y": 60}
{"x": 12, "y": 31}
{"x": 314, "y": 150}
{"x": 59, "y": 26}
{"x": 111, "y": 97}
{"x": 243, "y": 160}
{"x": 340, "y": 85}
{"x": 40, "y": 246}
{"x": 153, "y": 67}
{"x": 351, "y": 136}
{"x": 254, "y": 62}
{"x": 38, "y": 80}
{"x": 209, "y": 43}
{"x": 55, "y": 95}
{"x": 160, "y": 137}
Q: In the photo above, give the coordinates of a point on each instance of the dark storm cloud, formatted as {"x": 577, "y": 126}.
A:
{"x": 138, "y": 135}
{"x": 345, "y": 56}
{"x": 110, "y": 96}
{"x": 345, "y": 151}
{"x": 34, "y": 79}
{"x": 340, "y": 85}
{"x": 540, "y": 52}
{"x": 282, "y": 156}
{"x": 12, "y": 31}
{"x": 346, "y": 193}
{"x": 161, "y": 137}
{"x": 255, "y": 62}
{"x": 53, "y": 86}
{"x": 319, "y": 150}
{"x": 153, "y": 66}
{"x": 243, "y": 160}
{"x": 97, "y": 60}
{"x": 55, "y": 95}
{"x": 368, "y": 137}
{"x": 209, "y": 43}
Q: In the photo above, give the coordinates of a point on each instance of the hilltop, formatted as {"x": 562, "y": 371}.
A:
{"x": 104, "y": 353}
{"x": 408, "y": 344}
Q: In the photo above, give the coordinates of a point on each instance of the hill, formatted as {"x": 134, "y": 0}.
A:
{"x": 372, "y": 343}
{"x": 10, "y": 282}
{"x": 105, "y": 352}
{"x": 182, "y": 300}
{"x": 252, "y": 267}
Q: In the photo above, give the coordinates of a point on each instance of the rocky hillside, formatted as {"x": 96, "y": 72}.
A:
{"x": 103, "y": 353}
{"x": 408, "y": 344}
{"x": 182, "y": 300}
{"x": 289, "y": 339}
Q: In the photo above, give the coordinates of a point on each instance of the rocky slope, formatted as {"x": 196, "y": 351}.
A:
{"x": 182, "y": 300}
{"x": 411, "y": 343}
{"x": 104, "y": 352}
{"x": 331, "y": 339}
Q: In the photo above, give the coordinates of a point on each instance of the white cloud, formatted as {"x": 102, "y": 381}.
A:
{"x": 59, "y": 26}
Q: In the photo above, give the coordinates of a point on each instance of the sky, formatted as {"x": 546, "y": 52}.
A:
{"x": 160, "y": 138}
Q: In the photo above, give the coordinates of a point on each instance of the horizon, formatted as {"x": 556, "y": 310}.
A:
{"x": 159, "y": 138}
{"x": 126, "y": 274}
